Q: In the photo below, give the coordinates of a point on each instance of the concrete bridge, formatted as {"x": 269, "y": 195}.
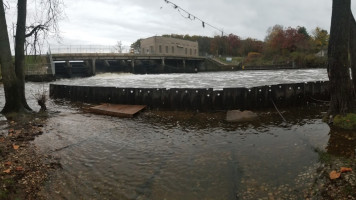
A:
{"x": 88, "y": 64}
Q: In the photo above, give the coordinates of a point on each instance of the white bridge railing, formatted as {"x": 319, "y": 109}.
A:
{"x": 58, "y": 49}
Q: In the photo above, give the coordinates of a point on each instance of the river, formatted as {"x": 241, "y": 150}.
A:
{"x": 182, "y": 155}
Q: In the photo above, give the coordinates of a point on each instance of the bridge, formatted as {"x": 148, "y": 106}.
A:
{"x": 88, "y": 64}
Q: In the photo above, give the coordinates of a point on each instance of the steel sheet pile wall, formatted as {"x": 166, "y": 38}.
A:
{"x": 197, "y": 98}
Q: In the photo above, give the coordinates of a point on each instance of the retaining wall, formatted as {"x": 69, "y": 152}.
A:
{"x": 197, "y": 98}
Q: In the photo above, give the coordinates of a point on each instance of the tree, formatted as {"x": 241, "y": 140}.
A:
{"x": 137, "y": 45}
{"x": 118, "y": 46}
{"x": 284, "y": 41}
{"x": 341, "y": 86}
{"x": 204, "y": 44}
{"x": 234, "y": 42}
{"x": 13, "y": 72}
{"x": 353, "y": 47}
{"x": 275, "y": 39}
{"x": 219, "y": 45}
{"x": 225, "y": 45}
{"x": 302, "y": 30}
{"x": 320, "y": 38}
{"x": 250, "y": 45}
{"x": 273, "y": 31}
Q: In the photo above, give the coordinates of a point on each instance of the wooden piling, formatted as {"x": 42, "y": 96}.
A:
{"x": 197, "y": 98}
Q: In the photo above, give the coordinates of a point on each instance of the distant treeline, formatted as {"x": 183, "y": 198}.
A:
{"x": 281, "y": 45}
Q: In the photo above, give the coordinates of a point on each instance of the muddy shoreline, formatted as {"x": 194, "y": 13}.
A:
{"x": 23, "y": 170}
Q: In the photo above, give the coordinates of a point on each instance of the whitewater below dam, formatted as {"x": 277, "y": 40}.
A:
{"x": 216, "y": 80}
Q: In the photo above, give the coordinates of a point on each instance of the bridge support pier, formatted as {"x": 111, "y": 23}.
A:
{"x": 163, "y": 66}
{"x": 68, "y": 68}
{"x": 91, "y": 67}
{"x": 133, "y": 65}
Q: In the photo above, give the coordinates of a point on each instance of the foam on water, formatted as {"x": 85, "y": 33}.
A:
{"x": 216, "y": 80}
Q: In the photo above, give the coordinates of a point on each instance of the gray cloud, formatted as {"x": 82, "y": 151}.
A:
{"x": 108, "y": 21}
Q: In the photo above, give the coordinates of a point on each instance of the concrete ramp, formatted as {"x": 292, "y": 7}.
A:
{"x": 117, "y": 110}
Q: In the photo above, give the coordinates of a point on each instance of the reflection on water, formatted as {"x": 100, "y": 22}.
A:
{"x": 179, "y": 155}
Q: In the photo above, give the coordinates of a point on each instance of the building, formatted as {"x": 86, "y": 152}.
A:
{"x": 158, "y": 45}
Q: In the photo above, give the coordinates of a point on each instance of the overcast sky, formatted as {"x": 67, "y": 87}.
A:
{"x": 104, "y": 22}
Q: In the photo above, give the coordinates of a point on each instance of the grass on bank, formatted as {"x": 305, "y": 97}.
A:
{"x": 347, "y": 122}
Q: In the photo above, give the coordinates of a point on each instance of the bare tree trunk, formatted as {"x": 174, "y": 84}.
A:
{"x": 20, "y": 50}
{"x": 353, "y": 47}
{"x": 13, "y": 85}
{"x": 341, "y": 86}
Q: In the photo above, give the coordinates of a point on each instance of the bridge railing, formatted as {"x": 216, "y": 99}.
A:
{"x": 58, "y": 49}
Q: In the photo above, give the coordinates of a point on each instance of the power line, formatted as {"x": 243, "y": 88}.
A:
{"x": 190, "y": 16}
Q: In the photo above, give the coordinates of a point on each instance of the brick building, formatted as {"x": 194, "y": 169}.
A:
{"x": 169, "y": 46}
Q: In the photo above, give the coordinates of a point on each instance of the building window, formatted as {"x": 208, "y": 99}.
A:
{"x": 186, "y": 51}
{"x": 151, "y": 47}
{"x": 166, "y": 49}
{"x": 172, "y": 50}
{"x": 191, "y": 52}
{"x": 143, "y": 50}
{"x": 195, "y": 52}
{"x": 160, "y": 49}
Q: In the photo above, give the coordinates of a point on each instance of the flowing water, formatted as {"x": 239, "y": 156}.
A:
{"x": 182, "y": 155}
{"x": 216, "y": 80}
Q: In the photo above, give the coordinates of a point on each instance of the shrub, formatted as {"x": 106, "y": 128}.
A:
{"x": 41, "y": 97}
{"x": 252, "y": 56}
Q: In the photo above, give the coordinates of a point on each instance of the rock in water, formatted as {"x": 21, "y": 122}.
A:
{"x": 240, "y": 116}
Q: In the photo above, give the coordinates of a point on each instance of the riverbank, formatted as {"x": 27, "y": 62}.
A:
{"x": 342, "y": 188}
{"x": 340, "y": 153}
{"x": 23, "y": 169}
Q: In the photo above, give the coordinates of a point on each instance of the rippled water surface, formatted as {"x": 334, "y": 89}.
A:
{"x": 173, "y": 155}
{"x": 182, "y": 155}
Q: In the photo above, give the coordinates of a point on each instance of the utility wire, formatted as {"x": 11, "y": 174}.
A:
{"x": 192, "y": 17}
